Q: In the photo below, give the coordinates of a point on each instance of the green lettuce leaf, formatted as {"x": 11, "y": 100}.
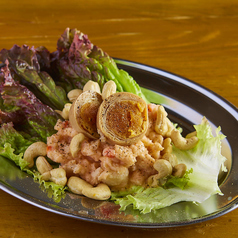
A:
{"x": 19, "y": 142}
{"x": 173, "y": 181}
{"x": 55, "y": 191}
{"x": 8, "y": 152}
{"x": 204, "y": 159}
{"x": 13, "y": 152}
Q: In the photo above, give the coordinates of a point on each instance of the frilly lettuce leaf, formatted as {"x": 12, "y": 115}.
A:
{"x": 204, "y": 159}
{"x": 8, "y": 152}
{"x": 14, "y": 150}
{"x": 53, "y": 190}
{"x": 25, "y": 120}
{"x": 25, "y": 68}
{"x": 27, "y": 113}
{"x": 173, "y": 181}
{"x": 19, "y": 142}
{"x": 77, "y": 61}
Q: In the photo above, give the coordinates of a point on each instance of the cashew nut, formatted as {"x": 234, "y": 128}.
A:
{"x": 109, "y": 88}
{"x": 167, "y": 152}
{"x": 152, "y": 181}
{"x": 58, "y": 176}
{"x": 101, "y": 192}
{"x": 43, "y": 165}
{"x": 171, "y": 158}
{"x": 65, "y": 112}
{"x": 46, "y": 176}
{"x": 76, "y": 185}
{"x": 79, "y": 186}
{"x": 163, "y": 125}
{"x": 183, "y": 143}
{"x": 34, "y": 150}
{"x": 167, "y": 146}
{"x": 92, "y": 86}
{"x": 191, "y": 134}
{"x": 179, "y": 170}
{"x": 75, "y": 144}
{"x": 73, "y": 94}
{"x": 163, "y": 167}
{"x": 155, "y": 180}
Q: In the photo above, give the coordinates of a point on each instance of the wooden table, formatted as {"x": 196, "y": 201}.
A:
{"x": 195, "y": 39}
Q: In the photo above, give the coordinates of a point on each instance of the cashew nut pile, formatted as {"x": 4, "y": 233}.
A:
{"x": 38, "y": 150}
{"x": 92, "y": 164}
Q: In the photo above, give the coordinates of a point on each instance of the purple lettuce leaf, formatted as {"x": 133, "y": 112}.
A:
{"x": 78, "y": 61}
{"x": 25, "y": 67}
{"x": 73, "y": 61}
{"x": 27, "y": 112}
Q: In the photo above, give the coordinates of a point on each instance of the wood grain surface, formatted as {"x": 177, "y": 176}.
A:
{"x": 197, "y": 39}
